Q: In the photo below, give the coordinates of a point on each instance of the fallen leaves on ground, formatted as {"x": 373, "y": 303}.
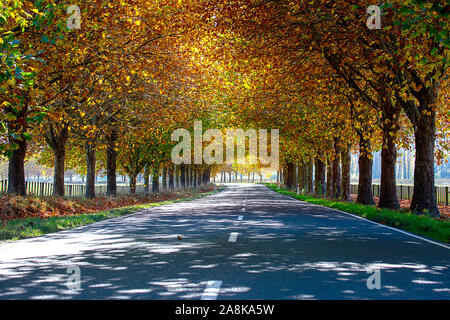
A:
{"x": 18, "y": 207}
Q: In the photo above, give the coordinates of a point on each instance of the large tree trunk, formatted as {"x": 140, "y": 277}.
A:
{"x": 365, "y": 195}
{"x": 337, "y": 170}
{"x": 388, "y": 186}
{"x": 346, "y": 162}
{"x": 16, "y": 168}
{"x": 90, "y": 174}
{"x": 365, "y": 162}
{"x": 424, "y": 197}
{"x": 58, "y": 173}
{"x": 111, "y": 163}
{"x": 56, "y": 137}
{"x": 319, "y": 189}
{"x": 423, "y": 118}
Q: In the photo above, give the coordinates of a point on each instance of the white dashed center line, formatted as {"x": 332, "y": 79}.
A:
{"x": 212, "y": 290}
{"x": 233, "y": 237}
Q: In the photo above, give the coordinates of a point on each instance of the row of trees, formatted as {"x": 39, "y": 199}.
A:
{"x": 109, "y": 95}
{"x": 333, "y": 84}
{"x": 103, "y": 97}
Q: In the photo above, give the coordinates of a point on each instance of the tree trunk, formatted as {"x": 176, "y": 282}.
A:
{"x": 164, "y": 178}
{"x": 132, "y": 184}
{"x": 56, "y": 138}
{"x": 290, "y": 176}
{"x": 111, "y": 164}
{"x": 16, "y": 166}
{"x": 177, "y": 177}
{"x": 171, "y": 177}
{"x": 365, "y": 195}
{"x": 90, "y": 174}
{"x": 424, "y": 196}
{"x": 146, "y": 178}
{"x": 388, "y": 186}
{"x": 195, "y": 179}
{"x": 187, "y": 179}
{"x": 423, "y": 118}
{"x": 58, "y": 173}
{"x": 346, "y": 162}
{"x": 319, "y": 178}
{"x": 330, "y": 186}
{"x": 303, "y": 175}
{"x": 155, "y": 179}
{"x": 310, "y": 179}
{"x": 183, "y": 176}
{"x": 16, "y": 169}
{"x": 206, "y": 176}
{"x": 337, "y": 170}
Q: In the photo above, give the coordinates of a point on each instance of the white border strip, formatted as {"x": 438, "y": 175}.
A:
{"x": 361, "y": 218}
{"x": 212, "y": 290}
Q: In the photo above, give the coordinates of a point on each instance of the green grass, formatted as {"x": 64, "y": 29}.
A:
{"x": 32, "y": 227}
{"x": 419, "y": 224}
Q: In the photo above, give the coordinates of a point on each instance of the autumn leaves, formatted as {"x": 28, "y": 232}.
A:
{"x": 108, "y": 96}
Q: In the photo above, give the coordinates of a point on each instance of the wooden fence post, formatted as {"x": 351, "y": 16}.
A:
{"x": 446, "y": 196}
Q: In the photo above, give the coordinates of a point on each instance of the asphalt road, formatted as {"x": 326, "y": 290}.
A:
{"x": 246, "y": 242}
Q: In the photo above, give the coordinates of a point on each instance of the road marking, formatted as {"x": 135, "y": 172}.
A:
{"x": 240, "y": 218}
{"x": 361, "y": 218}
{"x": 212, "y": 290}
{"x": 233, "y": 237}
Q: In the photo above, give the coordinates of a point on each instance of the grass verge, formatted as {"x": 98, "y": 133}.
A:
{"x": 419, "y": 224}
{"x": 32, "y": 227}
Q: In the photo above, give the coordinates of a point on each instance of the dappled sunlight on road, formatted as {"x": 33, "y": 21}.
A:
{"x": 284, "y": 250}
